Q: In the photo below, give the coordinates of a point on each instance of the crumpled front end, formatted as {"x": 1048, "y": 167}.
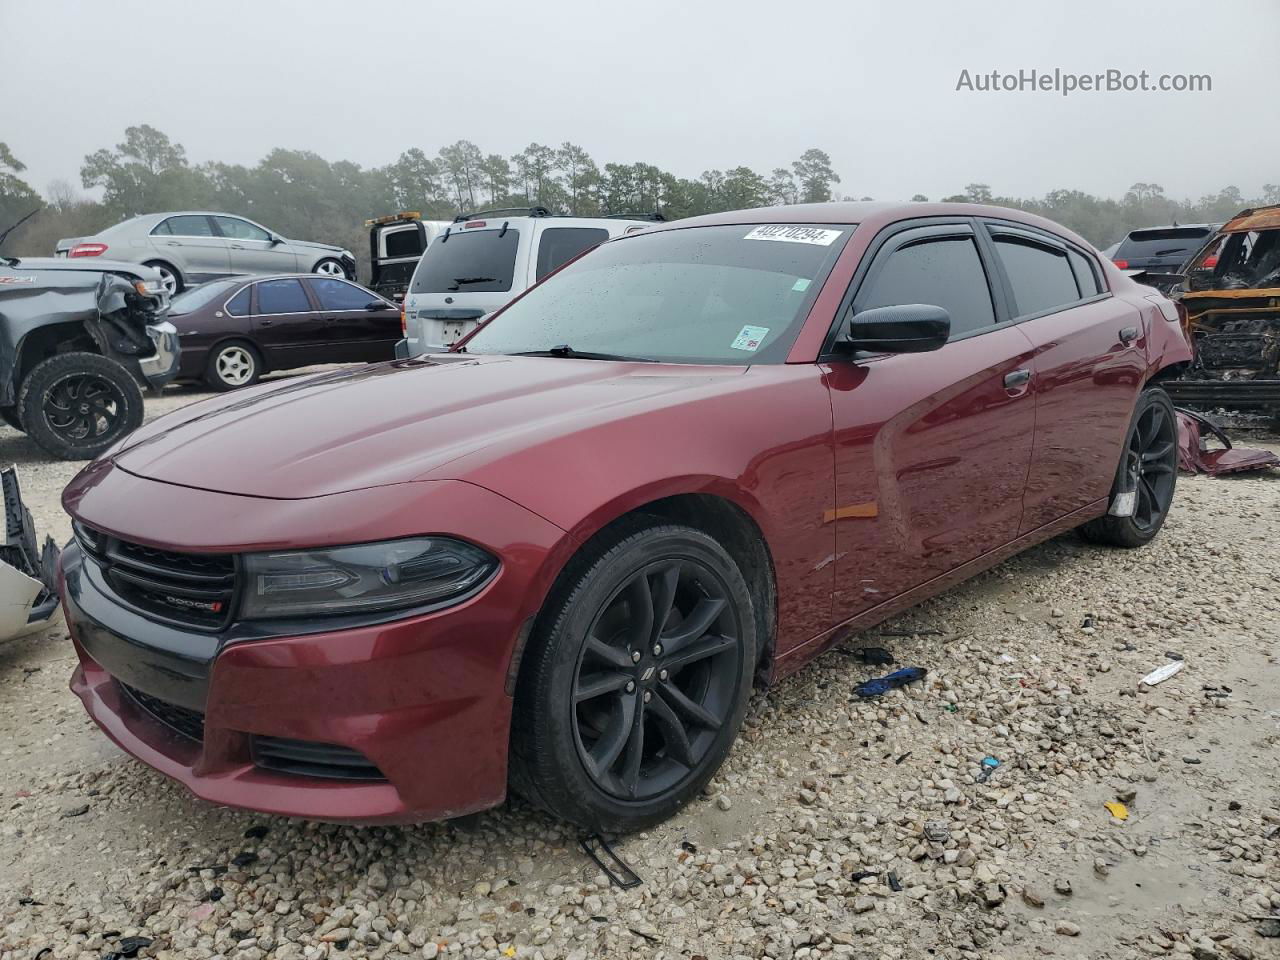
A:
{"x": 131, "y": 327}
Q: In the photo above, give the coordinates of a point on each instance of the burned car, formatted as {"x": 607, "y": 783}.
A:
{"x": 78, "y": 339}
{"x": 1230, "y": 292}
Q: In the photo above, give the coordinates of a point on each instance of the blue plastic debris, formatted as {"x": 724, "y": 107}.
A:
{"x": 989, "y": 765}
{"x": 882, "y": 685}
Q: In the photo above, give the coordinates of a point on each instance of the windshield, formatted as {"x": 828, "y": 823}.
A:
{"x": 476, "y": 261}
{"x": 191, "y": 300}
{"x": 721, "y": 294}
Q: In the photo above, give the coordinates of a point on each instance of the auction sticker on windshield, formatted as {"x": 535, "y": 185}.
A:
{"x": 750, "y": 338}
{"x": 790, "y": 234}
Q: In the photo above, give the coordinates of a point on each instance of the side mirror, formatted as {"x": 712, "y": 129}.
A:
{"x": 275, "y": 241}
{"x": 902, "y": 328}
{"x": 377, "y": 305}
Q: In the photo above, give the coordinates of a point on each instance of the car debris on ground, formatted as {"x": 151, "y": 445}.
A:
{"x": 1195, "y": 455}
{"x": 28, "y": 571}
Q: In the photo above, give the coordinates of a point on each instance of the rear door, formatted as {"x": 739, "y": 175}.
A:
{"x": 194, "y": 246}
{"x": 932, "y": 449}
{"x": 287, "y": 324}
{"x": 353, "y": 332}
{"x": 251, "y": 248}
{"x": 1089, "y": 367}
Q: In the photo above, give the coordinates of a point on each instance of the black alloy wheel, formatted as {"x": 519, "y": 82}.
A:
{"x": 77, "y": 404}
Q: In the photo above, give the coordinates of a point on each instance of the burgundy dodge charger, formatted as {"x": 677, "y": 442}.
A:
{"x": 556, "y": 558}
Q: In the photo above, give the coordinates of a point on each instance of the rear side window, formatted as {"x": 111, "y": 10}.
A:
{"x": 282, "y": 296}
{"x": 1041, "y": 277}
{"x": 476, "y": 261}
{"x": 238, "y": 306}
{"x": 185, "y": 227}
{"x": 558, "y": 245}
{"x": 1086, "y": 279}
{"x": 945, "y": 272}
{"x": 402, "y": 243}
{"x": 339, "y": 295}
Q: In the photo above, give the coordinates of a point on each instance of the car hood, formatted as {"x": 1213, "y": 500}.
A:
{"x": 395, "y": 422}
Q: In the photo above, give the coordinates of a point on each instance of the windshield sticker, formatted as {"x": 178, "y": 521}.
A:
{"x": 17, "y": 279}
{"x": 750, "y": 338}
{"x": 801, "y": 285}
{"x": 789, "y": 234}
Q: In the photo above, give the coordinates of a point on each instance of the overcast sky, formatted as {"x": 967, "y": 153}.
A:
{"x": 685, "y": 84}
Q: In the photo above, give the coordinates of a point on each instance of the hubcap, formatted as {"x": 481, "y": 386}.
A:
{"x": 235, "y": 366}
{"x": 84, "y": 407}
{"x": 1151, "y": 460}
{"x": 646, "y": 713}
{"x": 331, "y": 268}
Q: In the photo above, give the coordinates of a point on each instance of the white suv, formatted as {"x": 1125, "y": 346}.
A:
{"x": 485, "y": 260}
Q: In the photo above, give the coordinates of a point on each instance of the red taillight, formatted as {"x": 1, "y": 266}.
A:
{"x": 88, "y": 250}
{"x": 475, "y": 223}
{"x": 1210, "y": 261}
{"x": 1121, "y": 264}
{"x": 404, "y": 324}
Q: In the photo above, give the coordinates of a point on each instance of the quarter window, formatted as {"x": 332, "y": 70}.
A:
{"x": 190, "y": 226}
{"x": 234, "y": 228}
{"x": 1086, "y": 279}
{"x": 340, "y": 295}
{"x": 238, "y": 306}
{"x": 944, "y": 272}
{"x": 1040, "y": 276}
{"x": 559, "y": 245}
{"x": 282, "y": 296}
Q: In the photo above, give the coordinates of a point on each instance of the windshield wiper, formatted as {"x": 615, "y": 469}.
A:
{"x": 13, "y": 261}
{"x": 564, "y": 350}
{"x": 462, "y": 281}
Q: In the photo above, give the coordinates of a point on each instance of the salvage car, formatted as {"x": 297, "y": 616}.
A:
{"x": 1230, "y": 293}
{"x": 233, "y": 331}
{"x": 77, "y": 340}
{"x": 190, "y": 247}
{"x": 555, "y": 557}
{"x": 396, "y": 244}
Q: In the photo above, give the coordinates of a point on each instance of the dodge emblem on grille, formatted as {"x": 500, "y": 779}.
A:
{"x": 212, "y": 606}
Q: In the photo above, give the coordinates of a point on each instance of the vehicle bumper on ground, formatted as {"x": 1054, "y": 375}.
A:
{"x": 162, "y": 366}
{"x": 1225, "y": 393}
{"x": 395, "y": 722}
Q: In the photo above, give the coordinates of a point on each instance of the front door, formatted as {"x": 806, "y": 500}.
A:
{"x": 287, "y": 325}
{"x": 353, "y": 332}
{"x": 252, "y": 249}
{"x": 932, "y": 449}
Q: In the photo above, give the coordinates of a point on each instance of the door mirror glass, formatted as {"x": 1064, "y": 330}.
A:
{"x": 902, "y": 328}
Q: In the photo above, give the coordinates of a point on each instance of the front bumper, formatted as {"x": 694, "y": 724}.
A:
{"x": 162, "y": 366}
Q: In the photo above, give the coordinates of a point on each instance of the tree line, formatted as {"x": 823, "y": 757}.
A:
{"x": 305, "y": 196}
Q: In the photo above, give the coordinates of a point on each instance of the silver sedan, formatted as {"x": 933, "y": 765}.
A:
{"x": 193, "y": 246}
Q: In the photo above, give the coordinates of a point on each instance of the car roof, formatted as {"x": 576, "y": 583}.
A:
{"x": 1255, "y": 218}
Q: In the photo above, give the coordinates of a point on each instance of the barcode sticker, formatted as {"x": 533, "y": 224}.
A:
{"x": 793, "y": 234}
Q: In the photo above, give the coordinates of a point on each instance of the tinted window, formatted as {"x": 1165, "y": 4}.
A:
{"x": 1086, "y": 278}
{"x": 1167, "y": 243}
{"x": 236, "y": 229}
{"x": 1040, "y": 276}
{"x": 186, "y": 227}
{"x": 337, "y": 295}
{"x": 475, "y": 261}
{"x": 196, "y": 297}
{"x": 402, "y": 243}
{"x": 699, "y": 295}
{"x": 559, "y": 245}
{"x": 282, "y": 296}
{"x": 946, "y": 273}
{"x": 238, "y": 306}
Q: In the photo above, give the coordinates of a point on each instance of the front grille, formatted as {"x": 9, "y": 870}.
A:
{"x": 307, "y": 759}
{"x": 188, "y": 723}
{"x": 190, "y": 589}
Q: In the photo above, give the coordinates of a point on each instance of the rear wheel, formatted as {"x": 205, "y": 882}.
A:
{"x": 635, "y": 685}
{"x": 75, "y": 405}
{"x": 233, "y": 365}
{"x": 1143, "y": 488}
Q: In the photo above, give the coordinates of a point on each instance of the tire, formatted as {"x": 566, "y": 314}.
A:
{"x": 1148, "y": 469}
{"x": 233, "y": 365}
{"x": 10, "y": 416}
{"x": 331, "y": 267}
{"x": 572, "y": 702}
{"x": 170, "y": 276}
{"x": 75, "y": 405}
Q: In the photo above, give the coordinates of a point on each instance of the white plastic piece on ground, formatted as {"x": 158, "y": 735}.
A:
{"x": 17, "y": 593}
{"x": 1163, "y": 673}
{"x": 1123, "y": 503}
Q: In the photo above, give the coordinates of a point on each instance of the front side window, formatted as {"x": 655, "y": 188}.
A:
{"x": 234, "y": 228}
{"x": 282, "y": 296}
{"x": 188, "y": 226}
{"x": 718, "y": 294}
{"x": 1040, "y": 276}
{"x": 468, "y": 261}
{"x": 340, "y": 295}
{"x": 944, "y": 272}
{"x": 558, "y": 245}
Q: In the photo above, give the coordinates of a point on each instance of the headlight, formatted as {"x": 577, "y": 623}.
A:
{"x": 149, "y": 288}
{"x": 366, "y": 578}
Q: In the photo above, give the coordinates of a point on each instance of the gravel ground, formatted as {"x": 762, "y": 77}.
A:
{"x": 838, "y": 827}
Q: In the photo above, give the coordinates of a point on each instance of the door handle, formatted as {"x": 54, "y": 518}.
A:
{"x": 264, "y": 323}
{"x": 330, "y": 319}
{"x": 1128, "y": 335}
{"x": 1019, "y": 378}
{"x": 236, "y": 246}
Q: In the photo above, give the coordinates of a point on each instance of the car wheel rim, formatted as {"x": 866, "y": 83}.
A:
{"x": 235, "y": 366}
{"x": 168, "y": 280}
{"x": 657, "y": 679}
{"x": 331, "y": 268}
{"x": 1151, "y": 462}
{"x": 84, "y": 407}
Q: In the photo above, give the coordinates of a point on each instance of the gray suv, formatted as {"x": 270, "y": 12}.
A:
{"x": 194, "y": 246}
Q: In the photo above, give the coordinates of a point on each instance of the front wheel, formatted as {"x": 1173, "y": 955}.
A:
{"x": 329, "y": 267}
{"x": 1143, "y": 488}
{"x": 75, "y": 405}
{"x": 635, "y": 684}
{"x": 170, "y": 278}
